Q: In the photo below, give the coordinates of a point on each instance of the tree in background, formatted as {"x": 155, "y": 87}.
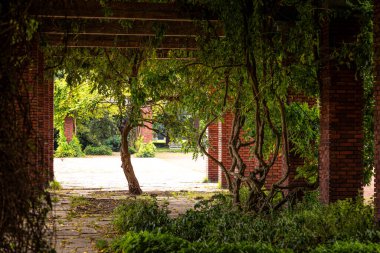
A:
{"x": 86, "y": 106}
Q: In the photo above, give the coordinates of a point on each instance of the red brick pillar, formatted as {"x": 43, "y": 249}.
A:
{"x": 146, "y": 132}
{"x": 69, "y": 128}
{"x": 377, "y": 107}
{"x": 341, "y": 144}
{"x": 225, "y": 128}
{"x": 213, "y": 149}
{"x": 49, "y": 123}
{"x": 40, "y": 94}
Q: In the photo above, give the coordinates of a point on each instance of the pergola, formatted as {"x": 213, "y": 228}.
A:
{"x": 341, "y": 145}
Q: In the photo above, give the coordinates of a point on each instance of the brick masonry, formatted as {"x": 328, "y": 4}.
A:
{"x": 212, "y": 167}
{"x": 146, "y": 132}
{"x": 377, "y": 106}
{"x": 69, "y": 128}
{"x": 40, "y": 96}
{"x": 219, "y": 135}
{"x": 341, "y": 144}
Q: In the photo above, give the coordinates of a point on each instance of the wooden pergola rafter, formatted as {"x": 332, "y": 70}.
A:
{"x": 89, "y": 24}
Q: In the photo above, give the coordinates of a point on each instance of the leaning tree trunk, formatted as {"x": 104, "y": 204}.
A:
{"x": 126, "y": 164}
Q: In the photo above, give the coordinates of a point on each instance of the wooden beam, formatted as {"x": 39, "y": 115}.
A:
{"x": 92, "y": 9}
{"x": 134, "y": 28}
{"x": 77, "y": 41}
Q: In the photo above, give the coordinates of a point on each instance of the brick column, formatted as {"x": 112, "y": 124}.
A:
{"x": 225, "y": 128}
{"x": 69, "y": 128}
{"x": 49, "y": 127}
{"x": 377, "y": 107}
{"x": 341, "y": 145}
{"x": 212, "y": 167}
{"x": 40, "y": 96}
{"x": 146, "y": 132}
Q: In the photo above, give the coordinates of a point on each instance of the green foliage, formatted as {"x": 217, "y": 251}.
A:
{"x": 139, "y": 215}
{"x": 99, "y": 130}
{"x": 113, "y": 142}
{"x": 101, "y": 245}
{"x": 303, "y": 125}
{"x": 79, "y": 101}
{"x": 216, "y": 221}
{"x": 148, "y": 242}
{"x": 55, "y": 186}
{"x": 101, "y": 150}
{"x": 146, "y": 150}
{"x": 157, "y": 242}
{"x": 71, "y": 149}
{"x": 348, "y": 247}
{"x": 131, "y": 150}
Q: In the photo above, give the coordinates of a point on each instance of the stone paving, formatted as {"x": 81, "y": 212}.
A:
{"x": 81, "y": 217}
{"x": 93, "y": 187}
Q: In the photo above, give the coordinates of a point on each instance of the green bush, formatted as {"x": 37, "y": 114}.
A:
{"x": 101, "y": 150}
{"x": 114, "y": 142}
{"x": 131, "y": 150}
{"x": 71, "y": 149}
{"x": 140, "y": 214}
{"x": 146, "y": 150}
{"x": 301, "y": 228}
{"x": 304, "y": 227}
{"x": 348, "y": 247}
{"x": 145, "y": 242}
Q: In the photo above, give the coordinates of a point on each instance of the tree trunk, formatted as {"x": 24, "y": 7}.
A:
{"x": 126, "y": 164}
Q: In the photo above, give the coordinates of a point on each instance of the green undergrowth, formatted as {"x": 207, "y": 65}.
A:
{"x": 214, "y": 225}
{"x": 100, "y": 150}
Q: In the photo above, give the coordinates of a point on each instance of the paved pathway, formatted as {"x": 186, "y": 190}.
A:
{"x": 168, "y": 171}
{"x": 78, "y": 227}
{"x": 99, "y": 182}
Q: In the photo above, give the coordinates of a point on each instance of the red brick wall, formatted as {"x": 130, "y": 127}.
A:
{"x": 40, "y": 93}
{"x": 377, "y": 107}
{"x": 212, "y": 167}
{"x": 224, "y": 155}
{"x": 341, "y": 145}
{"x": 225, "y": 128}
{"x": 69, "y": 128}
{"x": 146, "y": 132}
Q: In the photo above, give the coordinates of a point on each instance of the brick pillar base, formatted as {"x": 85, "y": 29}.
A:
{"x": 341, "y": 145}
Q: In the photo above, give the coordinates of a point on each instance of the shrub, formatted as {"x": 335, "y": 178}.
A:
{"x": 114, "y": 142}
{"x": 155, "y": 242}
{"x": 146, "y": 150}
{"x": 55, "y": 185}
{"x": 140, "y": 214}
{"x": 348, "y": 247}
{"x": 303, "y": 227}
{"x": 131, "y": 150}
{"x": 71, "y": 149}
{"x": 101, "y": 150}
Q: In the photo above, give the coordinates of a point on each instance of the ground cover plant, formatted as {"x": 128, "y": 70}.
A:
{"x": 215, "y": 225}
